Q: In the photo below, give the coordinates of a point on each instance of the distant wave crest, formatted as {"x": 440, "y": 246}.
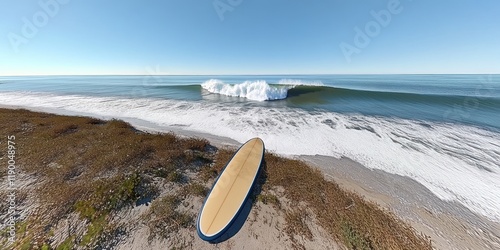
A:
{"x": 295, "y": 82}
{"x": 255, "y": 90}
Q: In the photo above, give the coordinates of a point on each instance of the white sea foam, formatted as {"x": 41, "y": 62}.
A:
{"x": 455, "y": 162}
{"x": 256, "y": 90}
{"x": 253, "y": 90}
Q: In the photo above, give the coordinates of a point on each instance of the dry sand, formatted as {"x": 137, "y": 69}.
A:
{"x": 449, "y": 224}
{"x": 263, "y": 229}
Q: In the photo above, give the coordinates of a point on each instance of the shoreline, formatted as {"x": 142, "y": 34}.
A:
{"x": 449, "y": 224}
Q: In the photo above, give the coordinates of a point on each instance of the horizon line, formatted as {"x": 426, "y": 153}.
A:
{"x": 274, "y": 74}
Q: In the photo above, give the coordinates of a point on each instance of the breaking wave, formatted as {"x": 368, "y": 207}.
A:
{"x": 255, "y": 90}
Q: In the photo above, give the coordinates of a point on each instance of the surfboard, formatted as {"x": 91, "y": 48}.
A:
{"x": 230, "y": 191}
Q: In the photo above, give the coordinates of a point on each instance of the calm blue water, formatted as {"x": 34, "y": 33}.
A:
{"x": 440, "y": 130}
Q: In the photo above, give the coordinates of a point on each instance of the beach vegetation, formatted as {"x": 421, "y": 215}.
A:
{"x": 269, "y": 199}
{"x": 196, "y": 189}
{"x": 97, "y": 168}
{"x": 94, "y": 230}
{"x": 331, "y": 205}
{"x": 26, "y": 245}
{"x": 67, "y": 244}
{"x": 174, "y": 176}
{"x": 353, "y": 238}
{"x": 164, "y": 217}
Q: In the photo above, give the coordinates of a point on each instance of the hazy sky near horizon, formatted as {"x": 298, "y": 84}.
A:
{"x": 52, "y": 37}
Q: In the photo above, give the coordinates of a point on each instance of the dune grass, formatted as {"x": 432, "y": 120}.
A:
{"x": 96, "y": 168}
{"x": 92, "y": 168}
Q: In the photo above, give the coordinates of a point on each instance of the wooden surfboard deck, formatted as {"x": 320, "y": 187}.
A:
{"x": 230, "y": 191}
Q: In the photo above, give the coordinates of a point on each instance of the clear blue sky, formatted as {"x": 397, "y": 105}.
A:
{"x": 254, "y": 37}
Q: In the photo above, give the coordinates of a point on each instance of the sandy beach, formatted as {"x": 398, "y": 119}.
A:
{"x": 67, "y": 197}
{"x": 448, "y": 224}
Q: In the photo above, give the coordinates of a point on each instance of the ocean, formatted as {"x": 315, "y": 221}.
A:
{"x": 440, "y": 130}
